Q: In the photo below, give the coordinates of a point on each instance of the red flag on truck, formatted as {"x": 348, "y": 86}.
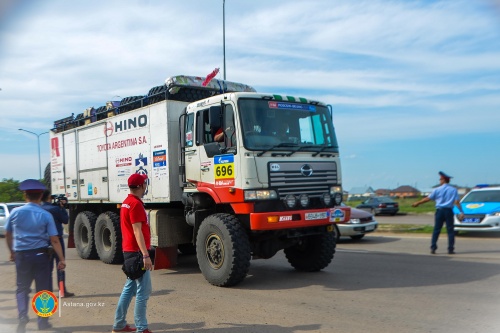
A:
{"x": 210, "y": 77}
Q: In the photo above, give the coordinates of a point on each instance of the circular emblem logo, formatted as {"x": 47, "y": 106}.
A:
{"x": 275, "y": 167}
{"x": 306, "y": 170}
{"x": 474, "y": 206}
{"x": 109, "y": 128}
{"x": 44, "y": 303}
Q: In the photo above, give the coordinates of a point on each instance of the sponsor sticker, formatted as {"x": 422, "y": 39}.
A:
{"x": 159, "y": 158}
{"x": 224, "y": 172}
{"x": 337, "y": 215}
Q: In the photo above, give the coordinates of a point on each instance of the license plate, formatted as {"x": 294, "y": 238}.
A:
{"x": 316, "y": 216}
{"x": 470, "y": 220}
{"x": 369, "y": 227}
{"x": 390, "y": 206}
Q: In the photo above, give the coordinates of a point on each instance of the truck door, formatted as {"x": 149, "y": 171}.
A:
{"x": 203, "y": 152}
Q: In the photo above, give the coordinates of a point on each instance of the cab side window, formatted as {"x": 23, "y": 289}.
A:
{"x": 228, "y": 126}
{"x": 188, "y": 130}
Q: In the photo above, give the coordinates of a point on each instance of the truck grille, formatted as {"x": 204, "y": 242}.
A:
{"x": 297, "y": 178}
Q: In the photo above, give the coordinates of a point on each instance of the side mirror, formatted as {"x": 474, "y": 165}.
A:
{"x": 212, "y": 149}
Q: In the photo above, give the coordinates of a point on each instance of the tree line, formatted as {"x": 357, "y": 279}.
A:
{"x": 9, "y": 188}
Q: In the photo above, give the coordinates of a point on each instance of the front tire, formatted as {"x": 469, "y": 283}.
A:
{"x": 84, "y": 232}
{"x": 313, "y": 253}
{"x": 108, "y": 238}
{"x": 223, "y": 250}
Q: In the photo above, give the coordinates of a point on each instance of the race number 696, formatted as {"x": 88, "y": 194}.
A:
{"x": 224, "y": 171}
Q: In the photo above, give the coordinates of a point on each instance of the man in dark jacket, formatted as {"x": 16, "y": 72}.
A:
{"x": 60, "y": 216}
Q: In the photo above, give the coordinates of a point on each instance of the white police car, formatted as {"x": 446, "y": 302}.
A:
{"x": 481, "y": 208}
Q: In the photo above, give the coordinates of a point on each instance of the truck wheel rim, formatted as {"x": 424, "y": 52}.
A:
{"x": 214, "y": 251}
{"x": 84, "y": 232}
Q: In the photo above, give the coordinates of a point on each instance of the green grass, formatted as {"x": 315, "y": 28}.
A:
{"x": 405, "y": 206}
{"x": 407, "y": 228}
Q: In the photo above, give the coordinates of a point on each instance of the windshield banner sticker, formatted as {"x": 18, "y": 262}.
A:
{"x": 291, "y": 106}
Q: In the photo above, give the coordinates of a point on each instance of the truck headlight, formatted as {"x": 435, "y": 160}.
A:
{"x": 327, "y": 199}
{"x": 337, "y": 198}
{"x": 335, "y": 189}
{"x": 260, "y": 195}
{"x": 304, "y": 200}
{"x": 290, "y": 200}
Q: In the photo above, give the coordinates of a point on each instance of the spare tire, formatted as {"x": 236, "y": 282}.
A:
{"x": 84, "y": 235}
{"x": 108, "y": 238}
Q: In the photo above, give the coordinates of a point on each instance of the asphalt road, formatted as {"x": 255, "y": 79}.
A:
{"x": 382, "y": 283}
{"x": 419, "y": 219}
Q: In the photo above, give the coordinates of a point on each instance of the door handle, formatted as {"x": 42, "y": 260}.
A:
{"x": 204, "y": 168}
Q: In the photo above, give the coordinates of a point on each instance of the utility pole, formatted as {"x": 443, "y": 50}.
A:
{"x": 39, "y": 158}
{"x": 224, "y": 35}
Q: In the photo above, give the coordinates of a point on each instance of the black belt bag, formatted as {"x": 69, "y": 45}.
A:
{"x": 133, "y": 265}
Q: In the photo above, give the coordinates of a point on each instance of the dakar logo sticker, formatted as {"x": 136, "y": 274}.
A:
{"x": 44, "y": 303}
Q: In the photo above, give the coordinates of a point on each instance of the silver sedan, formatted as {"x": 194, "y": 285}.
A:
{"x": 361, "y": 223}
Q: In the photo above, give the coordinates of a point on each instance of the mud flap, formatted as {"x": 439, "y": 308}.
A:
{"x": 165, "y": 257}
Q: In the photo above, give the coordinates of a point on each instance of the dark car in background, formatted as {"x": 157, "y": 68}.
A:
{"x": 380, "y": 205}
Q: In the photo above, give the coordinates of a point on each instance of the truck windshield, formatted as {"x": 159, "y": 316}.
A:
{"x": 289, "y": 126}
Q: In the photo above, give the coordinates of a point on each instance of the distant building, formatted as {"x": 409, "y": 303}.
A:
{"x": 382, "y": 192}
{"x": 360, "y": 193}
{"x": 405, "y": 191}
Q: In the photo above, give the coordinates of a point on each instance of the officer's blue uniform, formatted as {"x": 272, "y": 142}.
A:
{"x": 31, "y": 227}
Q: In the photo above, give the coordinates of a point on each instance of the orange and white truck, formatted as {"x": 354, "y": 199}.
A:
{"x": 233, "y": 175}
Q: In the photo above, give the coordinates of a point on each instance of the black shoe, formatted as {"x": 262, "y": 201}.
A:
{"x": 47, "y": 326}
{"x": 21, "y": 328}
{"x": 451, "y": 252}
{"x": 68, "y": 294}
{"x": 433, "y": 251}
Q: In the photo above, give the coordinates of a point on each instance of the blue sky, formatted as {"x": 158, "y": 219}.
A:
{"x": 415, "y": 85}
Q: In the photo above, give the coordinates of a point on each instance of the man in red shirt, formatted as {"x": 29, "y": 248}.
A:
{"x": 136, "y": 237}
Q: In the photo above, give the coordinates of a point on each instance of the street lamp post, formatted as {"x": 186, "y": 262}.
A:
{"x": 224, "y": 34}
{"x": 39, "y": 158}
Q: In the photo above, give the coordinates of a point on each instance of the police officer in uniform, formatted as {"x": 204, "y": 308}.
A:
{"x": 29, "y": 231}
{"x": 445, "y": 197}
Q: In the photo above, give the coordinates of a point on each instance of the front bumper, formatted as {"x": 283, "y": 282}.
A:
{"x": 488, "y": 223}
{"x": 299, "y": 218}
{"x": 354, "y": 229}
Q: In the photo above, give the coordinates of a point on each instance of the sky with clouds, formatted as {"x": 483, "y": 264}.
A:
{"x": 415, "y": 85}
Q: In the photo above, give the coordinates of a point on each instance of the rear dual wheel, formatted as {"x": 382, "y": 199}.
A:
{"x": 84, "y": 232}
{"x": 108, "y": 238}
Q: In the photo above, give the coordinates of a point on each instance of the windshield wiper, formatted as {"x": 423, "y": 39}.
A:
{"x": 283, "y": 144}
{"x": 321, "y": 150}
